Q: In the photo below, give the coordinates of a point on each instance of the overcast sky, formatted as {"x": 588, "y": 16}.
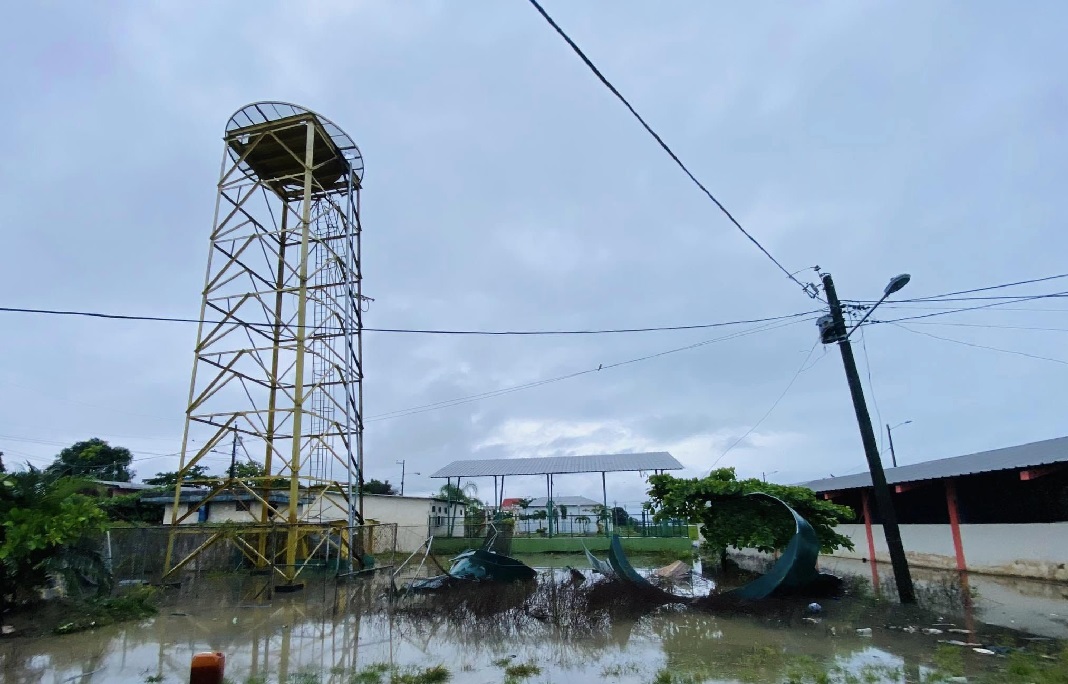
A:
{"x": 506, "y": 188}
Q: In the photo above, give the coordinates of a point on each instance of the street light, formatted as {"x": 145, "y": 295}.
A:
{"x": 890, "y": 438}
{"x": 764, "y": 476}
{"x": 833, "y": 329}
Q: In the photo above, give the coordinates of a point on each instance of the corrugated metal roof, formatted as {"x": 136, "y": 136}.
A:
{"x": 541, "y": 501}
{"x": 1009, "y": 458}
{"x": 557, "y": 465}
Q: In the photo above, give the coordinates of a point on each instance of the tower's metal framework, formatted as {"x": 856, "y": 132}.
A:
{"x": 279, "y": 356}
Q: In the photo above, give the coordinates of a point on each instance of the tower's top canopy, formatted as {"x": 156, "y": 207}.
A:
{"x": 271, "y": 158}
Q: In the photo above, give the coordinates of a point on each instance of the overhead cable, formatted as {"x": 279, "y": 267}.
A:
{"x": 417, "y": 331}
{"x": 981, "y": 346}
{"x": 944, "y": 296}
{"x": 807, "y": 288}
{"x": 801, "y": 369}
{"x": 448, "y": 403}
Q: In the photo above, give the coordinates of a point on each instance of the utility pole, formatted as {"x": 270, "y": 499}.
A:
{"x": 890, "y": 438}
{"x": 233, "y": 455}
{"x": 401, "y": 462}
{"x": 884, "y": 503}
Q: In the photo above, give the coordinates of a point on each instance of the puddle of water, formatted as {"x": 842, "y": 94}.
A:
{"x": 332, "y": 630}
{"x": 1013, "y": 602}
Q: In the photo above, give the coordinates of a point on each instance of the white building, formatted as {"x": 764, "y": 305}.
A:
{"x": 573, "y": 515}
{"x": 237, "y": 506}
{"x": 416, "y": 517}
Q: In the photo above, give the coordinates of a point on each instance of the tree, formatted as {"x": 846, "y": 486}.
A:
{"x": 95, "y": 459}
{"x": 467, "y": 495}
{"x": 583, "y": 520}
{"x": 729, "y": 518}
{"x": 373, "y": 486}
{"x": 255, "y": 476}
{"x": 47, "y": 527}
{"x": 169, "y": 479}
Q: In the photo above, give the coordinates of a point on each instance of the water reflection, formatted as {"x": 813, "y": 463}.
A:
{"x": 333, "y": 629}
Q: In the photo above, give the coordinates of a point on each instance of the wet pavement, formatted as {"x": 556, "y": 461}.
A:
{"x": 332, "y": 631}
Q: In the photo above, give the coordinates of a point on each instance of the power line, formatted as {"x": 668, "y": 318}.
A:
{"x": 808, "y": 289}
{"x": 987, "y": 326}
{"x": 448, "y": 403}
{"x": 418, "y": 331}
{"x": 871, "y": 388}
{"x": 801, "y": 369}
{"x": 981, "y": 346}
{"x": 944, "y": 296}
{"x": 994, "y": 287}
{"x": 968, "y": 308}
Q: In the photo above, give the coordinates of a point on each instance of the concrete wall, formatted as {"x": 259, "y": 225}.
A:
{"x": 218, "y": 512}
{"x": 413, "y": 515}
{"x": 1032, "y": 550}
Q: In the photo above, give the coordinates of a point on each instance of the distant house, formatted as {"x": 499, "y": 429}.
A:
{"x": 513, "y": 504}
{"x": 416, "y": 517}
{"x": 236, "y": 506}
{"x": 113, "y": 488}
{"x": 571, "y": 514}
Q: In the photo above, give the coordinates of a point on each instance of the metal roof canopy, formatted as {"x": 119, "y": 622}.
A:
{"x": 560, "y": 465}
{"x": 1029, "y": 455}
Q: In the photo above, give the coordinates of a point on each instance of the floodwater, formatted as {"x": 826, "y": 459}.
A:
{"x": 334, "y": 629}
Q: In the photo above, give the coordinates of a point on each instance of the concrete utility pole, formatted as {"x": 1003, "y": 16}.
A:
{"x": 884, "y": 503}
{"x": 890, "y": 438}
{"x": 401, "y": 463}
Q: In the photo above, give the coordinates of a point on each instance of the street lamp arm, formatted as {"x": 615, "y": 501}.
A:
{"x": 866, "y": 315}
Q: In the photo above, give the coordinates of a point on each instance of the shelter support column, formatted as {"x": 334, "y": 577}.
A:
{"x": 953, "y": 507}
{"x": 604, "y": 498}
{"x": 954, "y": 523}
{"x": 871, "y": 540}
{"x": 548, "y": 504}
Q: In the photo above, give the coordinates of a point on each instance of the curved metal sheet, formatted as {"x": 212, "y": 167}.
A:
{"x": 795, "y": 568}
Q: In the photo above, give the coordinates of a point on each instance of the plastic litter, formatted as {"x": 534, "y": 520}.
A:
{"x": 983, "y": 651}
{"x": 931, "y": 630}
{"x": 864, "y": 632}
{"x": 814, "y": 608}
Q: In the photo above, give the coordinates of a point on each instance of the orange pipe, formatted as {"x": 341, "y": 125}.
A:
{"x": 207, "y": 668}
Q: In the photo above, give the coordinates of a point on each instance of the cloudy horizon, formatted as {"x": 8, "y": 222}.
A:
{"x": 505, "y": 188}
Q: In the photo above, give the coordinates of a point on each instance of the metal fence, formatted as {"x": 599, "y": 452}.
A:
{"x": 640, "y": 525}
{"x": 139, "y": 553}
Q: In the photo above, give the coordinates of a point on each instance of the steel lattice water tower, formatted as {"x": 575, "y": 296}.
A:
{"x": 278, "y": 371}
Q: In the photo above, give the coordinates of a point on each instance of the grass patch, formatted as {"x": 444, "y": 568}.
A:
{"x": 372, "y": 674}
{"x": 1037, "y": 668}
{"x": 436, "y": 674}
{"x": 521, "y": 671}
{"x": 665, "y": 676}
{"x": 620, "y": 669}
{"x": 100, "y": 612}
{"x": 503, "y": 662}
{"x": 305, "y": 677}
{"x": 949, "y": 660}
